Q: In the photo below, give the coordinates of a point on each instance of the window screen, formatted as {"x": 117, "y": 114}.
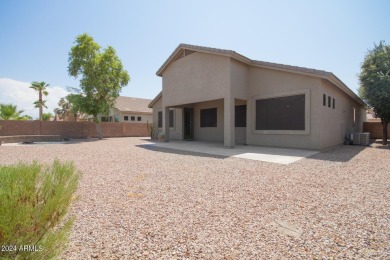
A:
{"x": 159, "y": 123}
{"x": 283, "y": 113}
{"x": 171, "y": 118}
{"x": 240, "y": 116}
{"x": 208, "y": 117}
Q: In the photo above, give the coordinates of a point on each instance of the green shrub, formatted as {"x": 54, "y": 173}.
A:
{"x": 33, "y": 202}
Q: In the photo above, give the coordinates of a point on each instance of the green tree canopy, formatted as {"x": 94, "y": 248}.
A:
{"x": 101, "y": 74}
{"x": 11, "y": 112}
{"x": 47, "y": 116}
{"x": 375, "y": 83}
{"x": 40, "y": 87}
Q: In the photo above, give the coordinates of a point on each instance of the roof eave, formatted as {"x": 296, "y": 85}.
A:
{"x": 151, "y": 104}
{"x": 336, "y": 81}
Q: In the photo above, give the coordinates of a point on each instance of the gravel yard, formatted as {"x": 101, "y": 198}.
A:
{"x": 152, "y": 203}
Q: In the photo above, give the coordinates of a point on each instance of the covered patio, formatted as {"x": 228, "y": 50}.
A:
{"x": 219, "y": 120}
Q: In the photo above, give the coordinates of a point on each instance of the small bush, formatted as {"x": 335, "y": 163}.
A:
{"x": 33, "y": 201}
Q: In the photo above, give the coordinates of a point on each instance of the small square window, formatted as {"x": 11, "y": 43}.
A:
{"x": 139, "y": 118}
{"x": 132, "y": 118}
{"x": 126, "y": 118}
{"x": 329, "y": 101}
{"x": 324, "y": 100}
{"x": 334, "y": 103}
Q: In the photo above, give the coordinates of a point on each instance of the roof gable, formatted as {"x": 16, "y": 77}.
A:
{"x": 186, "y": 49}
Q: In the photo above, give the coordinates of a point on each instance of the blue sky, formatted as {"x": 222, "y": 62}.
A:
{"x": 36, "y": 36}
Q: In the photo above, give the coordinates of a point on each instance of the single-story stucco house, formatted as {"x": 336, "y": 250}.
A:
{"x": 129, "y": 110}
{"x": 219, "y": 95}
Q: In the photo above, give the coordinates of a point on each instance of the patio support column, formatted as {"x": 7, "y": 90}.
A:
{"x": 166, "y": 123}
{"x": 228, "y": 123}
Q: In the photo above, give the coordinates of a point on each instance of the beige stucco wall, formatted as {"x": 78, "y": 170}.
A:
{"x": 338, "y": 122}
{"x": 204, "y": 80}
{"x": 175, "y": 132}
{"x": 214, "y": 134}
{"x": 239, "y": 79}
{"x": 273, "y": 83}
{"x": 196, "y": 78}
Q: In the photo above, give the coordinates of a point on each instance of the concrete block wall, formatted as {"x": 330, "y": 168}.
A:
{"x": 71, "y": 129}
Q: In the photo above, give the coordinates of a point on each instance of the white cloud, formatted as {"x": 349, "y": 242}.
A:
{"x": 18, "y": 93}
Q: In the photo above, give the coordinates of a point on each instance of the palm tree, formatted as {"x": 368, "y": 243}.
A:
{"x": 10, "y": 112}
{"x": 40, "y": 87}
{"x": 66, "y": 107}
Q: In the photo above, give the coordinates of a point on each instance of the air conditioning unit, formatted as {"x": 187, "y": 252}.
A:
{"x": 361, "y": 138}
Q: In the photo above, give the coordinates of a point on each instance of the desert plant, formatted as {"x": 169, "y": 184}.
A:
{"x": 10, "y": 112}
{"x": 33, "y": 202}
{"x": 47, "y": 116}
{"x": 151, "y": 129}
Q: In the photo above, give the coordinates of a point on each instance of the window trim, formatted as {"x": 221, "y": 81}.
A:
{"x": 306, "y": 92}
{"x": 124, "y": 118}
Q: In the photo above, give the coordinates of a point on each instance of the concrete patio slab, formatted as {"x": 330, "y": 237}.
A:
{"x": 259, "y": 153}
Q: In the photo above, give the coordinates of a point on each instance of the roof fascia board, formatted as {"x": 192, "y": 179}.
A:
{"x": 337, "y": 82}
{"x": 151, "y": 104}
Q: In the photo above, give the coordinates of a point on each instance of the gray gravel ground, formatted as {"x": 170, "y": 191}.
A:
{"x": 150, "y": 203}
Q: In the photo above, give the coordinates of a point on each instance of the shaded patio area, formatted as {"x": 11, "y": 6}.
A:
{"x": 259, "y": 153}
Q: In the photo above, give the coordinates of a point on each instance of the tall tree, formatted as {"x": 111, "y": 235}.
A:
{"x": 11, "y": 112}
{"x": 102, "y": 77}
{"x": 40, "y": 87}
{"x": 375, "y": 83}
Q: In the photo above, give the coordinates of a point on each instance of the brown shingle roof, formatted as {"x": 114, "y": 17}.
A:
{"x": 131, "y": 104}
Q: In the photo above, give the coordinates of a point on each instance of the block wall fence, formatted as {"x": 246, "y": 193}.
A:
{"x": 88, "y": 129}
{"x": 72, "y": 129}
{"x": 375, "y": 129}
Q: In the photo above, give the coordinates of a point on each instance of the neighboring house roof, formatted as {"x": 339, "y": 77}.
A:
{"x": 131, "y": 104}
{"x": 186, "y": 49}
